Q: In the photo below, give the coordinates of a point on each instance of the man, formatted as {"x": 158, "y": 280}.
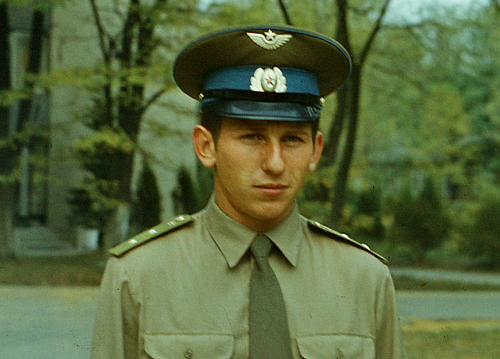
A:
{"x": 248, "y": 277}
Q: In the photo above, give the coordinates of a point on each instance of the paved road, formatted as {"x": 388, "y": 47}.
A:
{"x": 46, "y": 323}
{"x": 56, "y": 323}
{"x": 449, "y": 305}
{"x": 447, "y": 276}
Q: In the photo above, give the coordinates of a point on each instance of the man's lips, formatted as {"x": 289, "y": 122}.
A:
{"x": 271, "y": 189}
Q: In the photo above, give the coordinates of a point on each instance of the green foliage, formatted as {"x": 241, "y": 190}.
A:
{"x": 204, "y": 183}
{"x": 419, "y": 223}
{"x": 362, "y": 215}
{"x": 187, "y": 195}
{"x": 481, "y": 235}
{"x": 88, "y": 207}
{"x": 314, "y": 199}
{"x": 146, "y": 212}
{"x": 10, "y": 97}
{"x": 365, "y": 221}
{"x": 104, "y": 154}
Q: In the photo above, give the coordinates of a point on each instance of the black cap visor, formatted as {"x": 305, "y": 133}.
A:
{"x": 254, "y": 110}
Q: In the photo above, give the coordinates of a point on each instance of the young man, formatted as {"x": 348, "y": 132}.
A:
{"x": 249, "y": 277}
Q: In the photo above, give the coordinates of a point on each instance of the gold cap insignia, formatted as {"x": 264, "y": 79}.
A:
{"x": 269, "y": 40}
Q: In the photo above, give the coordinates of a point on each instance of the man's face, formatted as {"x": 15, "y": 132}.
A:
{"x": 259, "y": 168}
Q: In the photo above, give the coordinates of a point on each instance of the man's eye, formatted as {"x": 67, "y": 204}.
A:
{"x": 251, "y": 136}
{"x": 292, "y": 139}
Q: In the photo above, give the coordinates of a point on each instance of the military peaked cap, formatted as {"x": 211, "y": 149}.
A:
{"x": 263, "y": 72}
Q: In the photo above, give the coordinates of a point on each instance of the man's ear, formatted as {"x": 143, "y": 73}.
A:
{"x": 204, "y": 146}
{"x": 318, "y": 150}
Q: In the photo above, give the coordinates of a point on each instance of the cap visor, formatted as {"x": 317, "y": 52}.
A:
{"x": 271, "y": 111}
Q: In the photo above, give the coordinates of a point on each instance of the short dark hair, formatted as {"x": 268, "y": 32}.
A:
{"x": 212, "y": 122}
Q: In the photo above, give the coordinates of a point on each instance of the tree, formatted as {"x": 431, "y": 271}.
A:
{"x": 348, "y": 98}
{"x": 348, "y": 106}
{"x": 130, "y": 63}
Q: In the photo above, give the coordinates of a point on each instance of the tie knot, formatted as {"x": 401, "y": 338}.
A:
{"x": 261, "y": 247}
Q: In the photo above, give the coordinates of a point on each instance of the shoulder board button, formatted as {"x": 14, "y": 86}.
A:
{"x": 149, "y": 234}
{"x": 345, "y": 238}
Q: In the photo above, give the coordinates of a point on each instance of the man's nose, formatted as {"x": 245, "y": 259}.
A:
{"x": 273, "y": 158}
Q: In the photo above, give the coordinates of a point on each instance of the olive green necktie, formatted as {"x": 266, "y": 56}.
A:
{"x": 269, "y": 335}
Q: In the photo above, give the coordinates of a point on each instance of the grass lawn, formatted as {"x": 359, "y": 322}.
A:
{"x": 405, "y": 283}
{"x": 81, "y": 270}
{"x": 426, "y": 339}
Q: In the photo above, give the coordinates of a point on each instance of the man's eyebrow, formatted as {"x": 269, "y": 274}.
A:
{"x": 298, "y": 131}
{"x": 252, "y": 127}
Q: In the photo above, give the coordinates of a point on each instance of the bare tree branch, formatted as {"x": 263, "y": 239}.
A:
{"x": 151, "y": 100}
{"x": 373, "y": 34}
{"x": 106, "y": 46}
{"x": 284, "y": 10}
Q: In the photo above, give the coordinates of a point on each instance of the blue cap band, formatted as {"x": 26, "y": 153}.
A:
{"x": 239, "y": 78}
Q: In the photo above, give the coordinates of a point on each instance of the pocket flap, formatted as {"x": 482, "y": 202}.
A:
{"x": 336, "y": 346}
{"x": 186, "y": 346}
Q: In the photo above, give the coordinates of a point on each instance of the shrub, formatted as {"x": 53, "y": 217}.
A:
{"x": 419, "y": 222}
{"x": 483, "y": 236}
{"x": 146, "y": 211}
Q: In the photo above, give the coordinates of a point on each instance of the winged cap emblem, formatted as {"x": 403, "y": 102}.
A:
{"x": 269, "y": 40}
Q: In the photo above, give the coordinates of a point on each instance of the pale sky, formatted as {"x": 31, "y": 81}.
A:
{"x": 411, "y": 10}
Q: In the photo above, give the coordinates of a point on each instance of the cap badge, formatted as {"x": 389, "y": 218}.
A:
{"x": 269, "y": 40}
{"x": 268, "y": 80}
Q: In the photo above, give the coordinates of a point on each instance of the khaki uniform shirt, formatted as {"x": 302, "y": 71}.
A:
{"x": 185, "y": 294}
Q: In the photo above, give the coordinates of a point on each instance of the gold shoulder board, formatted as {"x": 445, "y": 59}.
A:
{"x": 149, "y": 234}
{"x": 345, "y": 238}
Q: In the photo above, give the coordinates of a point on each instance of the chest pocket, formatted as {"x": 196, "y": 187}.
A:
{"x": 336, "y": 347}
{"x": 187, "y": 346}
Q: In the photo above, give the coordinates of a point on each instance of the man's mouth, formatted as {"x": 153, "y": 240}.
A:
{"x": 272, "y": 189}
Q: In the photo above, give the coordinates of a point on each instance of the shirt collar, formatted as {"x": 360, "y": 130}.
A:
{"x": 234, "y": 239}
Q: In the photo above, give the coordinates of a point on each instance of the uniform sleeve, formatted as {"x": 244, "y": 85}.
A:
{"x": 389, "y": 339}
{"x": 116, "y": 326}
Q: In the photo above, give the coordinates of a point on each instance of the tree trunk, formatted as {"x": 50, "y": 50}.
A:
{"x": 285, "y": 13}
{"x": 342, "y": 174}
{"x": 348, "y": 109}
{"x": 330, "y": 152}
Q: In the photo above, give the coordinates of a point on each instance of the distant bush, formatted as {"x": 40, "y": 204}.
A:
{"x": 362, "y": 215}
{"x": 482, "y": 237}
{"x": 189, "y": 196}
{"x": 146, "y": 211}
{"x": 419, "y": 222}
